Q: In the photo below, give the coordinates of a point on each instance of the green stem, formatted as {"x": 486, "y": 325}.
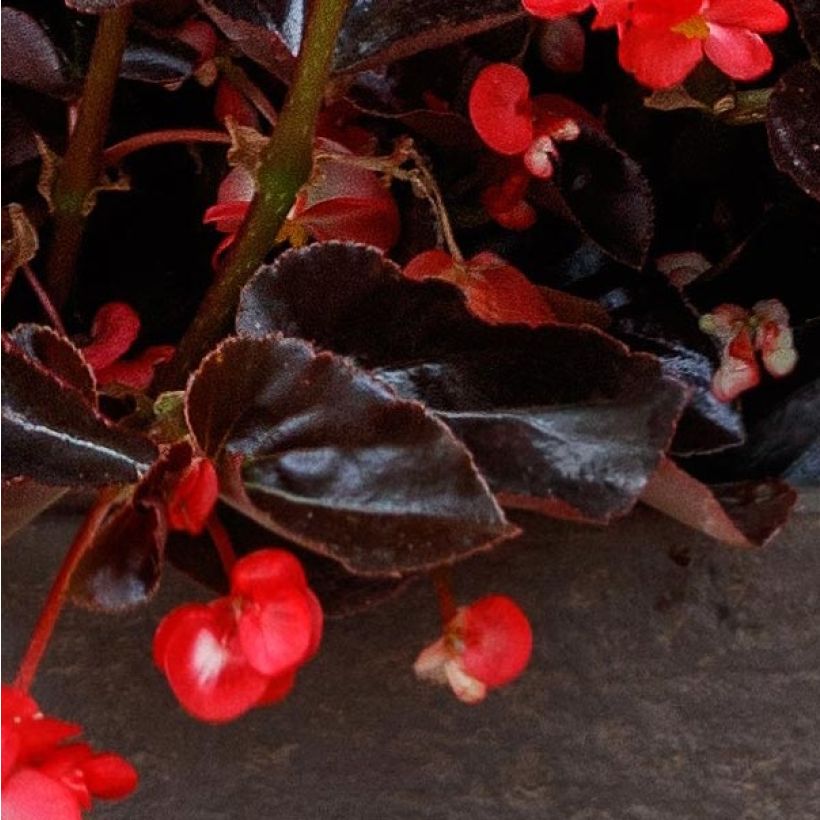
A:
{"x": 284, "y": 168}
{"x": 81, "y": 167}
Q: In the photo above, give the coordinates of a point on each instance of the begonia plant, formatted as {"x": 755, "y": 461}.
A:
{"x": 387, "y": 281}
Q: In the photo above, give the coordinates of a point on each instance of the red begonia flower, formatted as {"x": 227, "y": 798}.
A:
{"x": 113, "y": 331}
{"x": 664, "y": 41}
{"x": 242, "y": 650}
{"x": 506, "y": 203}
{"x": 200, "y": 36}
{"x": 495, "y": 291}
{"x": 488, "y": 644}
{"x": 45, "y": 777}
{"x": 193, "y": 497}
{"x": 740, "y": 333}
{"x": 341, "y": 201}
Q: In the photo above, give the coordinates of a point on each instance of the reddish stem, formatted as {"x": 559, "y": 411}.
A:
{"x": 222, "y": 542}
{"x": 56, "y": 596}
{"x": 117, "y": 152}
{"x": 43, "y": 298}
{"x": 442, "y": 583}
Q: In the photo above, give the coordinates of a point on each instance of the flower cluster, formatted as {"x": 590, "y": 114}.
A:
{"x": 495, "y": 291}
{"x": 243, "y": 650}
{"x": 113, "y": 332}
{"x": 741, "y": 333}
{"x": 662, "y": 41}
{"x": 526, "y": 130}
{"x": 486, "y": 645}
{"x": 341, "y": 201}
{"x": 46, "y": 776}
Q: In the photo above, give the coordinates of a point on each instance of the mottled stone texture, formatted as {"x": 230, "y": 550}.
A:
{"x": 672, "y": 679}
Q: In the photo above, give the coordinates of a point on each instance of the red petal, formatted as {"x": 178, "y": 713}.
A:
{"x": 39, "y": 736}
{"x": 137, "y": 373}
{"x": 369, "y": 221}
{"x": 500, "y": 108}
{"x": 263, "y": 574}
{"x": 738, "y": 370}
{"x": 755, "y": 15}
{"x": 611, "y": 13}
{"x": 500, "y": 294}
{"x": 278, "y": 689}
{"x": 194, "y": 497}
{"x": 435, "y": 264}
{"x": 737, "y": 52}
{"x": 276, "y": 636}
{"x": 552, "y": 9}
{"x": 200, "y": 36}
{"x": 17, "y": 704}
{"x": 204, "y": 663}
{"x": 659, "y": 58}
{"x": 109, "y": 776}
{"x": 227, "y": 216}
{"x": 497, "y": 640}
{"x": 30, "y": 795}
{"x": 230, "y": 102}
{"x": 10, "y": 748}
{"x": 115, "y": 328}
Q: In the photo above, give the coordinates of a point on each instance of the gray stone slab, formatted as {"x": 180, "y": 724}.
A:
{"x": 672, "y": 679}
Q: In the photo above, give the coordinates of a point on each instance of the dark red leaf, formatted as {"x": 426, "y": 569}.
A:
{"x": 743, "y": 514}
{"x": 604, "y": 192}
{"x": 560, "y": 419}
{"x": 375, "y": 32}
{"x": 30, "y": 58}
{"x": 122, "y": 567}
{"x": 57, "y": 355}
{"x": 54, "y": 435}
{"x": 794, "y": 126}
{"x": 807, "y": 13}
{"x": 327, "y": 456}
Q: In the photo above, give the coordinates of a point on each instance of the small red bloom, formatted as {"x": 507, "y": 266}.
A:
{"x": 488, "y": 644}
{"x": 193, "y": 498}
{"x": 610, "y": 12}
{"x": 741, "y": 333}
{"x": 341, "y": 201}
{"x": 506, "y": 203}
{"x": 243, "y": 650}
{"x": 666, "y": 39}
{"x": 115, "y": 328}
{"x": 45, "y": 777}
{"x": 230, "y": 102}
{"x": 496, "y": 291}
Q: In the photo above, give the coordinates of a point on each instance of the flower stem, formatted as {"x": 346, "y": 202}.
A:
{"x": 284, "y": 167}
{"x": 442, "y": 583}
{"x": 222, "y": 542}
{"x": 79, "y": 172}
{"x": 116, "y": 153}
{"x": 240, "y": 80}
{"x": 56, "y": 596}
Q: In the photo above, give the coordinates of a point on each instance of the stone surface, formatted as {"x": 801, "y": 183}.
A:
{"x": 672, "y": 679}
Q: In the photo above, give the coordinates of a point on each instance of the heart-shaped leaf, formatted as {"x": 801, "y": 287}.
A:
{"x": 604, "y": 192}
{"x": 743, "y": 514}
{"x": 561, "y": 419}
{"x": 375, "y": 32}
{"x": 54, "y": 435}
{"x": 328, "y": 457}
{"x": 794, "y": 126}
{"x": 151, "y": 59}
